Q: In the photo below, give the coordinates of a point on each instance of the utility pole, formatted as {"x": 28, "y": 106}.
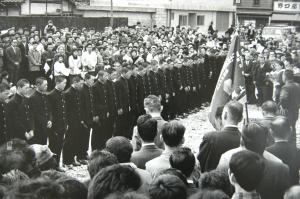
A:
{"x": 111, "y": 14}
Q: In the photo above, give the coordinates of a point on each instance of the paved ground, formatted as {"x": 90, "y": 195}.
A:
{"x": 196, "y": 124}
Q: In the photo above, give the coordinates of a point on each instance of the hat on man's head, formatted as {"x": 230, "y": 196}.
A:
{"x": 42, "y": 153}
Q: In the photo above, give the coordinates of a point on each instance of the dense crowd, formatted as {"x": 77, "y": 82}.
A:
{"x": 126, "y": 86}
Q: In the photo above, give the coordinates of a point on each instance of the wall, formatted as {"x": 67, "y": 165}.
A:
{"x": 40, "y": 8}
{"x": 267, "y": 4}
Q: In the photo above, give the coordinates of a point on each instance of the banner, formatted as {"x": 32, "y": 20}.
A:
{"x": 287, "y": 6}
{"x": 231, "y": 82}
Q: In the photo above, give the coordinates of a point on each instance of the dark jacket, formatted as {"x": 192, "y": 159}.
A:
{"x": 275, "y": 181}
{"x": 88, "y": 104}
{"x": 100, "y": 99}
{"x": 214, "y": 144}
{"x": 13, "y": 56}
{"x": 20, "y": 119}
{"x": 3, "y": 122}
{"x": 290, "y": 155}
{"x": 74, "y": 111}
{"x": 146, "y": 153}
{"x": 58, "y": 105}
{"x": 290, "y": 100}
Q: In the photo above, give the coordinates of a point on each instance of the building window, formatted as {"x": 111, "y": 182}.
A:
{"x": 237, "y": 1}
{"x": 182, "y": 20}
{"x": 256, "y": 2}
{"x": 200, "y": 20}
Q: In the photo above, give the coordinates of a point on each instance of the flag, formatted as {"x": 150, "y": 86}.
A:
{"x": 231, "y": 82}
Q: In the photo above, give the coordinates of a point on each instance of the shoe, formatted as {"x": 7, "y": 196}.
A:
{"x": 83, "y": 162}
{"x": 76, "y": 164}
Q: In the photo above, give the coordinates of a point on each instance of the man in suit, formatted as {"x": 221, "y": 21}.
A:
{"x": 288, "y": 153}
{"x": 23, "y": 45}
{"x": 88, "y": 107}
{"x": 248, "y": 73}
{"x": 214, "y": 144}
{"x": 35, "y": 62}
{"x": 152, "y": 106}
{"x": 41, "y": 110}
{"x": 13, "y": 58}
{"x": 103, "y": 124}
{"x": 147, "y": 130}
{"x": 173, "y": 138}
{"x": 59, "y": 122}
{"x": 4, "y": 95}
{"x": 20, "y": 120}
{"x": 290, "y": 101}
{"x": 75, "y": 121}
{"x": 260, "y": 77}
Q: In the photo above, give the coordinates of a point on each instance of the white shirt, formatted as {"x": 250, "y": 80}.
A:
{"x": 60, "y": 69}
{"x": 74, "y": 65}
{"x": 89, "y": 61}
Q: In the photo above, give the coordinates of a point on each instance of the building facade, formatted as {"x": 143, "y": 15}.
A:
{"x": 255, "y": 12}
{"x": 286, "y": 12}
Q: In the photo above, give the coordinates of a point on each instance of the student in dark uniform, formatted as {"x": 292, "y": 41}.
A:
{"x": 59, "y": 122}
{"x": 74, "y": 120}
{"x": 20, "y": 121}
{"x": 103, "y": 126}
{"x": 41, "y": 111}
{"x": 249, "y": 67}
{"x": 122, "y": 92}
{"x": 4, "y": 95}
{"x": 88, "y": 108}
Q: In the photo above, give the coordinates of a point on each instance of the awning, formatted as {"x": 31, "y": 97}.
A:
{"x": 285, "y": 17}
{"x": 254, "y": 12}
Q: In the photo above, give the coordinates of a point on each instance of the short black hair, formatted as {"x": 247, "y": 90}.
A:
{"x": 100, "y": 161}
{"x": 254, "y": 137}
{"x": 248, "y": 168}
{"x": 147, "y": 127}
{"x": 73, "y": 188}
{"x": 22, "y": 82}
{"x": 167, "y": 187}
{"x": 76, "y": 79}
{"x": 175, "y": 172}
{"x": 113, "y": 179}
{"x": 59, "y": 79}
{"x": 289, "y": 75}
{"x": 184, "y": 160}
{"x": 235, "y": 109}
{"x": 127, "y": 195}
{"x": 209, "y": 194}
{"x": 172, "y": 133}
{"x": 215, "y": 180}
{"x": 36, "y": 189}
{"x": 280, "y": 127}
{"x": 120, "y": 147}
{"x": 269, "y": 107}
{"x": 40, "y": 80}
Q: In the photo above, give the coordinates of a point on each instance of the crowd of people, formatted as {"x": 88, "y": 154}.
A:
{"x": 126, "y": 86}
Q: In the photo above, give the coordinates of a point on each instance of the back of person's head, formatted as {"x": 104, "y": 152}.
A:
{"x": 288, "y": 75}
{"x": 59, "y": 79}
{"x": 280, "y": 128}
{"x": 246, "y": 169}
{"x": 40, "y": 80}
{"x": 152, "y": 103}
{"x": 173, "y": 133}
{"x": 120, "y": 147}
{"x": 215, "y": 180}
{"x": 127, "y": 195}
{"x": 100, "y": 161}
{"x": 113, "y": 179}
{"x": 269, "y": 107}
{"x": 36, "y": 189}
{"x": 292, "y": 193}
{"x": 73, "y": 188}
{"x": 54, "y": 175}
{"x": 167, "y": 187}
{"x": 175, "y": 172}
{"x": 209, "y": 194}
{"x": 147, "y": 128}
{"x": 76, "y": 79}
{"x": 254, "y": 137}
{"x": 233, "y": 111}
{"x": 12, "y": 177}
{"x": 184, "y": 160}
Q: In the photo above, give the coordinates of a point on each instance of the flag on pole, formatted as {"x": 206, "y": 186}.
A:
{"x": 231, "y": 82}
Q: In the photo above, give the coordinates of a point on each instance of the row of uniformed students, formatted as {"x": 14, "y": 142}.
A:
{"x": 110, "y": 105}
